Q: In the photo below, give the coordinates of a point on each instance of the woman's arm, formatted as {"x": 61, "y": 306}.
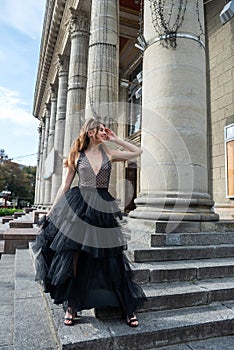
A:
{"x": 70, "y": 174}
{"x": 66, "y": 184}
{"x": 130, "y": 151}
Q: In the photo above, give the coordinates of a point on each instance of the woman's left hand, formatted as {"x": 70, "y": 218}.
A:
{"x": 110, "y": 135}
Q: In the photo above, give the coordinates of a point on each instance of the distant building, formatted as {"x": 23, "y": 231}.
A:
{"x": 173, "y": 93}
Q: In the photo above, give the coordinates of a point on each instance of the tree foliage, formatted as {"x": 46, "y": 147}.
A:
{"x": 18, "y": 179}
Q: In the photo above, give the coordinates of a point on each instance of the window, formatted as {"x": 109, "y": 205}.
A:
{"x": 135, "y": 101}
{"x": 229, "y": 152}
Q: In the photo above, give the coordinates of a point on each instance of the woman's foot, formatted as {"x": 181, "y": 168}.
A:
{"x": 132, "y": 321}
{"x": 69, "y": 318}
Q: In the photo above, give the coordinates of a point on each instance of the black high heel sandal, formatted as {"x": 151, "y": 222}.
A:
{"x": 71, "y": 319}
{"x": 132, "y": 321}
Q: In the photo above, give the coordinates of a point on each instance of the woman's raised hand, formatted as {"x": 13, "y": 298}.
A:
{"x": 110, "y": 135}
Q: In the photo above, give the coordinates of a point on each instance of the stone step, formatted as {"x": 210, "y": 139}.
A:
{"x": 156, "y": 328}
{"x": 37, "y": 215}
{"x": 7, "y": 286}
{"x": 184, "y": 294}
{"x": 26, "y": 217}
{"x": 20, "y": 224}
{"x": 219, "y": 343}
{"x": 181, "y": 322}
{"x": 2, "y": 247}
{"x": 184, "y": 270}
{"x": 7, "y": 219}
{"x": 32, "y": 324}
{"x": 18, "y": 214}
{"x": 180, "y": 295}
{"x": 142, "y": 253}
{"x": 28, "y": 209}
{"x": 18, "y": 238}
{"x": 25, "y": 221}
{"x": 190, "y": 239}
{"x": 193, "y": 226}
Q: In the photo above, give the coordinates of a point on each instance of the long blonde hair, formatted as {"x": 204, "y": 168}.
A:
{"x": 81, "y": 142}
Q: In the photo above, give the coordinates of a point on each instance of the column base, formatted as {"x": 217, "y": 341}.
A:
{"x": 225, "y": 211}
{"x": 175, "y": 209}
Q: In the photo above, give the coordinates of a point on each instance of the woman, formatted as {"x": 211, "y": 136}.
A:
{"x": 79, "y": 251}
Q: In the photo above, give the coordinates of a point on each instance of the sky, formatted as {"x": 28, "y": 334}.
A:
{"x": 20, "y": 35}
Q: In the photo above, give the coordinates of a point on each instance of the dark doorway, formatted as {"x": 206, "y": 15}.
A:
{"x": 130, "y": 187}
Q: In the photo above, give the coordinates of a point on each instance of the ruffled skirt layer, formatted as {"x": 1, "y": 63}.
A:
{"x": 80, "y": 256}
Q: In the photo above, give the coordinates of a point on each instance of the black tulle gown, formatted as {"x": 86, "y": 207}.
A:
{"x": 79, "y": 250}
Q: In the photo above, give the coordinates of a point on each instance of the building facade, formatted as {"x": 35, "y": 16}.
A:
{"x": 161, "y": 77}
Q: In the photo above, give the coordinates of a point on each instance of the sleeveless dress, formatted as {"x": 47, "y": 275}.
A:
{"x": 80, "y": 247}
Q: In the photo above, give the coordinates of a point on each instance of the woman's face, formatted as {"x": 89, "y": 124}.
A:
{"x": 99, "y": 134}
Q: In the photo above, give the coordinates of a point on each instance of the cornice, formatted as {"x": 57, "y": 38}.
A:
{"x": 53, "y": 15}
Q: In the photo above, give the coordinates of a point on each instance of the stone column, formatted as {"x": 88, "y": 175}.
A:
{"x": 174, "y": 172}
{"x": 102, "y": 84}
{"x": 40, "y": 197}
{"x": 36, "y": 199}
{"x": 50, "y": 153}
{"x": 60, "y": 125}
{"x": 77, "y": 77}
{"x": 44, "y": 151}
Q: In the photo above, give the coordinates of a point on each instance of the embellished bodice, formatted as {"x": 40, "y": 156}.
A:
{"x": 87, "y": 176}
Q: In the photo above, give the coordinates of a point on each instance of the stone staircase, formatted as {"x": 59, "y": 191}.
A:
{"x": 187, "y": 276}
{"x": 17, "y": 232}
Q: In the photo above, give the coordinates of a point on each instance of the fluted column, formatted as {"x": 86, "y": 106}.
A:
{"x": 60, "y": 125}
{"x": 77, "y": 78}
{"x": 49, "y": 163}
{"x": 174, "y": 172}
{"x": 40, "y": 197}
{"x": 44, "y": 152}
{"x": 36, "y": 199}
{"x": 102, "y": 84}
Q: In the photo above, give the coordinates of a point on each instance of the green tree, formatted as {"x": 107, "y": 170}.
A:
{"x": 18, "y": 179}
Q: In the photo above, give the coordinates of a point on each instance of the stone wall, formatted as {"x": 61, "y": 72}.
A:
{"x": 220, "y": 72}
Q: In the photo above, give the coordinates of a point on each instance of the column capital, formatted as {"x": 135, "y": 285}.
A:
{"x": 79, "y": 22}
{"x": 63, "y": 63}
{"x": 42, "y": 122}
{"x": 47, "y": 109}
{"x": 39, "y": 129}
{"x": 53, "y": 91}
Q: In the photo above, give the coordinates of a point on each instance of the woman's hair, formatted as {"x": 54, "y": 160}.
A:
{"x": 82, "y": 141}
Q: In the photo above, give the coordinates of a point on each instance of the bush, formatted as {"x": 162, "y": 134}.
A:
{"x": 5, "y": 211}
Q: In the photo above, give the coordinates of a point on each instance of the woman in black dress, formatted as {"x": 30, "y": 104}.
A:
{"x": 80, "y": 248}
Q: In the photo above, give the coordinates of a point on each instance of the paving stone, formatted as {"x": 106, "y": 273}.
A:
{"x": 34, "y": 330}
{"x": 7, "y": 268}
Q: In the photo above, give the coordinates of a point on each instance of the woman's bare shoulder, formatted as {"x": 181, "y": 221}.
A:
{"x": 108, "y": 151}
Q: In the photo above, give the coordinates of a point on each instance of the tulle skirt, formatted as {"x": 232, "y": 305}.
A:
{"x": 80, "y": 256}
